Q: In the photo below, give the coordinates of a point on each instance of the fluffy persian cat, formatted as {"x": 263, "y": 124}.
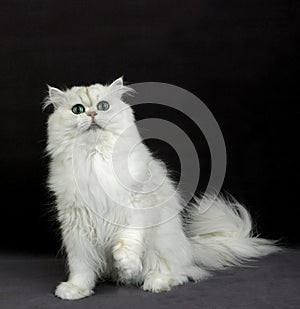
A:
{"x": 120, "y": 215}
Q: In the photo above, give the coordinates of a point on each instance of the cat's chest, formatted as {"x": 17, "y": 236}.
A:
{"x": 97, "y": 177}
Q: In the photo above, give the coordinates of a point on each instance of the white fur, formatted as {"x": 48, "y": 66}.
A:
{"x": 102, "y": 209}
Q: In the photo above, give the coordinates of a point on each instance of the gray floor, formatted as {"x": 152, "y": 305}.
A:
{"x": 273, "y": 282}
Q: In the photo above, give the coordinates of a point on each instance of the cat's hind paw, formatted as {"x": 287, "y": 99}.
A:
{"x": 69, "y": 291}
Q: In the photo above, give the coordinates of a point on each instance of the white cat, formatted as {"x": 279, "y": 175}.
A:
{"x": 119, "y": 211}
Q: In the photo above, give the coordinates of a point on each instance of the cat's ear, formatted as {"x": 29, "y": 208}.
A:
{"x": 119, "y": 89}
{"x": 117, "y": 83}
{"x": 54, "y": 98}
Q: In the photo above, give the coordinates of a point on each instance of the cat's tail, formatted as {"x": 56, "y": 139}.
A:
{"x": 221, "y": 233}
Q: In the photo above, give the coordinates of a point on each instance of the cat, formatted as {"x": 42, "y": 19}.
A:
{"x": 120, "y": 215}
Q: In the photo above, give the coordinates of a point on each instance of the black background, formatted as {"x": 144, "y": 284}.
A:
{"x": 239, "y": 57}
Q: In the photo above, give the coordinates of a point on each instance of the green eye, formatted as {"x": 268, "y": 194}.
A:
{"x": 78, "y": 109}
{"x": 103, "y": 106}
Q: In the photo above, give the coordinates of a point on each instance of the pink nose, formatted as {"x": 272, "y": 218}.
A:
{"x": 92, "y": 114}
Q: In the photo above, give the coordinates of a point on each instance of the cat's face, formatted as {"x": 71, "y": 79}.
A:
{"x": 86, "y": 110}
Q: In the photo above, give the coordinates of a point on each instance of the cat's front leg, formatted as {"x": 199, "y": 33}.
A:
{"x": 82, "y": 272}
{"x": 80, "y": 283}
{"x": 127, "y": 253}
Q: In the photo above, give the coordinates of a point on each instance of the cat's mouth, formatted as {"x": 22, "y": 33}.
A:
{"x": 94, "y": 126}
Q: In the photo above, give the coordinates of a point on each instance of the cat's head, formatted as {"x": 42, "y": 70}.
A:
{"x": 86, "y": 110}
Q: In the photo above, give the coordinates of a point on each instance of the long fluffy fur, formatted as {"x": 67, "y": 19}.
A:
{"x": 124, "y": 230}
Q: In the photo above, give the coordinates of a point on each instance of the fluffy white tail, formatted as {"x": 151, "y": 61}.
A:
{"x": 221, "y": 233}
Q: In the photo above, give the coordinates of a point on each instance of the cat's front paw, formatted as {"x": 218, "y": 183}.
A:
{"x": 127, "y": 262}
{"x": 67, "y": 290}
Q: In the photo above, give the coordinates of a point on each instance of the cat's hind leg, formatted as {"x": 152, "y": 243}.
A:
{"x": 161, "y": 280}
{"x": 169, "y": 259}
